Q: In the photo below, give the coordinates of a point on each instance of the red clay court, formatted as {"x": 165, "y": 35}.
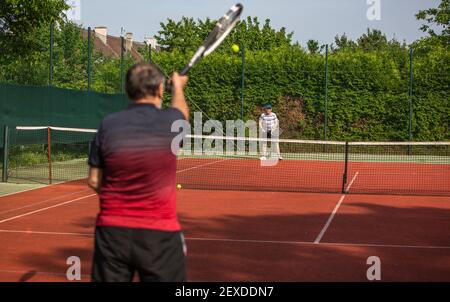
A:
{"x": 254, "y": 235}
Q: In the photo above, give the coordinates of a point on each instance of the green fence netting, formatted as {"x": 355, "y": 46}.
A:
{"x": 41, "y": 106}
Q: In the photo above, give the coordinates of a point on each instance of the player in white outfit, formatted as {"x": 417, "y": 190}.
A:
{"x": 269, "y": 127}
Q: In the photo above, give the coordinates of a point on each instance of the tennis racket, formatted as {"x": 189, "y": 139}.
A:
{"x": 222, "y": 29}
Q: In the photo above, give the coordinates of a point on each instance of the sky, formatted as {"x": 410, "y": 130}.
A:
{"x": 320, "y": 20}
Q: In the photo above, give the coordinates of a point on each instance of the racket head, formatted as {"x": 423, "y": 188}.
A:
{"x": 221, "y": 30}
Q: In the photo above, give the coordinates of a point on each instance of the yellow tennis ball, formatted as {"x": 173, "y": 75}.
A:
{"x": 235, "y": 48}
{"x": 178, "y": 186}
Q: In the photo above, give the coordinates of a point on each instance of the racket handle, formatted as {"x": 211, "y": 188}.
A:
{"x": 185, "y": 70}
{"x": 168, "y": 86}
{"x": 182, "y": 73}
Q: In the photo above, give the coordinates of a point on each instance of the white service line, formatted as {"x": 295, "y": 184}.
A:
{"x": 330, "y": 219}
{"x": 323, "y": 244}
{"x": 208, "y": 164}
{"x": 47, "y": 208}
{"x": 40, "y": 187}
{"x": 48, "y": 233}
{"x": 351, "y": 182}
{"x": 44, "y": 201}
{"x": 404, "y": 246}
{"x": 252, "y": 241}
{"x": 336, "y": 208}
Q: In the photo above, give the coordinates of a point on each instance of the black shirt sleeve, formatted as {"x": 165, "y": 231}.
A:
{"x": 95, "y": 150}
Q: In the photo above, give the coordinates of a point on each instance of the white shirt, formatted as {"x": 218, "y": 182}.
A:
{"x": 268, "y": 122}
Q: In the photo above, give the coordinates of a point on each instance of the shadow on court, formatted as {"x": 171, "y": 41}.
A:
{"x": 27, "y": 276}
{"x": 409, "y": 238}
{"x": 411, "y": 242}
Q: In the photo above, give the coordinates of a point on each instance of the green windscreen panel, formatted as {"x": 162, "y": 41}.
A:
{"x": 48, "y": 106}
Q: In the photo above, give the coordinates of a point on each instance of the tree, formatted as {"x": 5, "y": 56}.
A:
{"x": 342, "y": 42}
{"x": 184, "y": 34}
{"x": 437, "y": 18}
{"x": 250, "y": 33}
{"x": 20, "y": 16}
{"x": 20, "y": 21}
{"x": 188, "y": 34}
{"x": 313, "y": 46}
{"x": 372, "y": 40}
{"x": 70, "y": 54}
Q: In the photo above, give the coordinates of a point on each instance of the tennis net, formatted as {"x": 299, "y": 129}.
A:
{"x": 52, "y": 154}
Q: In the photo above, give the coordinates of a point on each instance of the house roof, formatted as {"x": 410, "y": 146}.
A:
{"x": 112, "y": 46}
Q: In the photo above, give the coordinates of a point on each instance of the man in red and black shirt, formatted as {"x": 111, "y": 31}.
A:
{"x": 133, "y": 169}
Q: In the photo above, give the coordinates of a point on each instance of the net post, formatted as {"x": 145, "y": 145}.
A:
{"x": 89, "y": 147}
{"x": 49, "y": 154}
{"x": 5, "y": 154}
{"x": 344, "y": 177}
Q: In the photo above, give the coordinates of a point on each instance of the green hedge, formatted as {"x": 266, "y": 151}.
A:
{"x": 367, "y": 98}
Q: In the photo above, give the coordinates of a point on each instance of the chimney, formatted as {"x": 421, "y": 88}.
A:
{"x": 151, "y": 41}
{"x": 128, "y": 41}
{"x": 101, "y": 32}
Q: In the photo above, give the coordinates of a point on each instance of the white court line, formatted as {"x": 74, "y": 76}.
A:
{"x": 330, "y": 219}
{"x": 351, "y": 182}
{"x": 336, "y": 208}
{"x": 47, "y": 233}
{"x": 44, "y": 201}
{"x": 250, "y": 241}
{"x": 208, "y": 164}
{"x": 43, "y": 186}
{"x": 388, "y": 245}
{"x": 47, "y": 208}
{"x": 326, "y": 243}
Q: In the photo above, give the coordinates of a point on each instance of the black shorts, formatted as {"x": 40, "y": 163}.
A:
{"x": 154, "y": 255}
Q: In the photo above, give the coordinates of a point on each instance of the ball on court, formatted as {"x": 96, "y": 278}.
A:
{"x": 179, "y": 187}
{"x": 235, "y": 48}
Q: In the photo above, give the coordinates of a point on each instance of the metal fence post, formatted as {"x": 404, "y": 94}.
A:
{"x": 326, "y": 93}
{"x": 122, "y": 41}
{"x": 89, "y": 59}
{"x": 5, "y": 154}
{"x": 410, "y": 98}
{"x": 50, "y": 72}
{"x": 242, "y": 81}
